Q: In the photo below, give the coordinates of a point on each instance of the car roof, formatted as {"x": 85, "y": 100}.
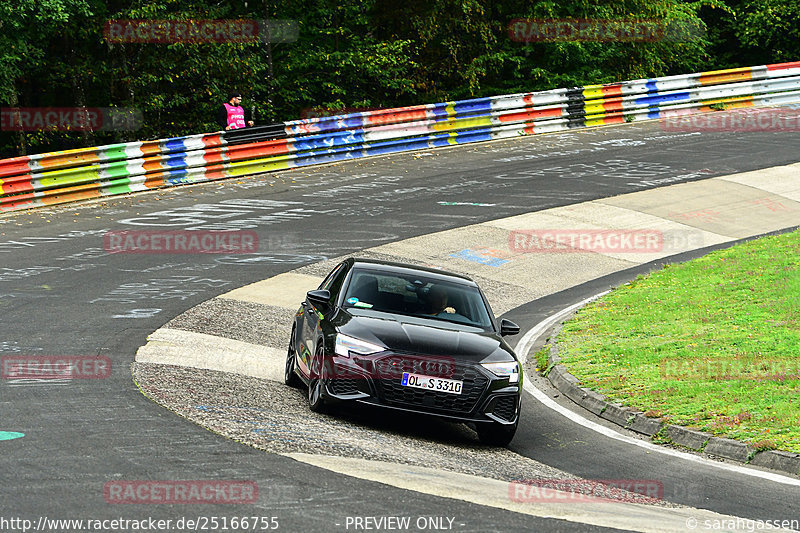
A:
{"x": 405, "y": 268}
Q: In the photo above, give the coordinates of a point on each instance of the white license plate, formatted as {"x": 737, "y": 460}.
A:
{"x": 417, "y": 381}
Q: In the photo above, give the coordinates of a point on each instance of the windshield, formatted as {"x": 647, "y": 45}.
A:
{"x": 416, "y": 295}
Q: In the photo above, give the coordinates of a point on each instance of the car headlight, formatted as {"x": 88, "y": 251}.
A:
{"x": 346, "y": 344}
{"x": 504, "y": 370}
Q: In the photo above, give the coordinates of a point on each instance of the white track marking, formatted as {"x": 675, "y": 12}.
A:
{"x": 167, "y": 346}
{"x": 530, "y": 337}
{"x": 618, "y": 515}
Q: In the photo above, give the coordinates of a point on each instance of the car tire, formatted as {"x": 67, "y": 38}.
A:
{"x": 289, "y": 375}
{"x": 315, "y": 401}
{"x": 316, "y": 385}
{"x": 494, "y": 434}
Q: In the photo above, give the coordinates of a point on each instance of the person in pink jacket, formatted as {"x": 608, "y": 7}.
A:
{"x": 231, "y": 115}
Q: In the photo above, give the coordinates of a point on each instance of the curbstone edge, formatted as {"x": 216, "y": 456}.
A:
{"x": 594, "y": 402}
{"x": 617, "y": 413}
{"x": 568, "y": 385}
{"x": 778, "y": 460}
{"x": 688, "y": 437}
{"x": 729, "y": 448}
{"x": 645, "y": 425}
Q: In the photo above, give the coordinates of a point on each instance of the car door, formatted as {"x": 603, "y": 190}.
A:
{"x": 310, "y": 317}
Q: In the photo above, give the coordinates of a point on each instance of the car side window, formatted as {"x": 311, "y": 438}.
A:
{"x": 334, "y": 280}
{"x": 329, "y": 278}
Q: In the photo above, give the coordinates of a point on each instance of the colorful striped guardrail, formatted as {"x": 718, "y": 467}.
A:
{"x": 58, "y": 177}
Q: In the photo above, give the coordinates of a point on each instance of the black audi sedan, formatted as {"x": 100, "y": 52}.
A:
{"x": 407, "y": 338}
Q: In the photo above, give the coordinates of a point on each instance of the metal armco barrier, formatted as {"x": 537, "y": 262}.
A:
{"x": 58, "y": 177}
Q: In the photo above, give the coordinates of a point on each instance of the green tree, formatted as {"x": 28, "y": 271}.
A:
{"x": 28, "y": 29}
{"x": 341, "y": 61}
{"x": 768, "y": 31}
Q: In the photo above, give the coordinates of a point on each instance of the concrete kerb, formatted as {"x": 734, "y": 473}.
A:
{"x": 645, "y": 425}
{"x": 778, "y": 460}
{"x": 625, "y": 417}
{"x": 689, "y": 438}
{"x": 730, "y": 449}
{"x": 617, "y": 413}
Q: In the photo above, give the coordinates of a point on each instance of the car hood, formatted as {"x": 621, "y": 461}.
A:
{"x": 425, "y": 336}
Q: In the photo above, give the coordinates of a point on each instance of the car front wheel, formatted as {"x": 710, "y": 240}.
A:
{"x": 289, "y": 376}
{"x": 315, "y": 401}
{"x": 316, "y": 384}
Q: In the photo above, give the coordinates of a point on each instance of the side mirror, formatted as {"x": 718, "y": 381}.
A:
{"x": 508, "y": 328}
{"x": 321, "y": 298}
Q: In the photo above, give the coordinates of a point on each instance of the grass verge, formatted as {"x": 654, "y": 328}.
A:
{"x": 713, "y": 344}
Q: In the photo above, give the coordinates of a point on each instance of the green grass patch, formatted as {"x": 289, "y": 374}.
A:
{"x": 542, "y": 358}
{"x": 712, "y": 344}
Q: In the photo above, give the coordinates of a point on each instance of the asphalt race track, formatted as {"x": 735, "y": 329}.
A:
{"x": 63, "y": 294}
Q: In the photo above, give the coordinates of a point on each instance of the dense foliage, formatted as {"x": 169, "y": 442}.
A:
{"x": 347, "y": 54}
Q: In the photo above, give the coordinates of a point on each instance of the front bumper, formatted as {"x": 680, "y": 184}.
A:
{"x": 376, "y": 381}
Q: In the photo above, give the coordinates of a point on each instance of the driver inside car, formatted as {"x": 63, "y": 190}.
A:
{"x": 437, "y": 303}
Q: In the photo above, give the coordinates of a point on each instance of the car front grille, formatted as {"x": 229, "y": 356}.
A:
{"x": 505, "y": 407}
{"x": 342, "y": 386}
{"x": 394, "y": 393}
